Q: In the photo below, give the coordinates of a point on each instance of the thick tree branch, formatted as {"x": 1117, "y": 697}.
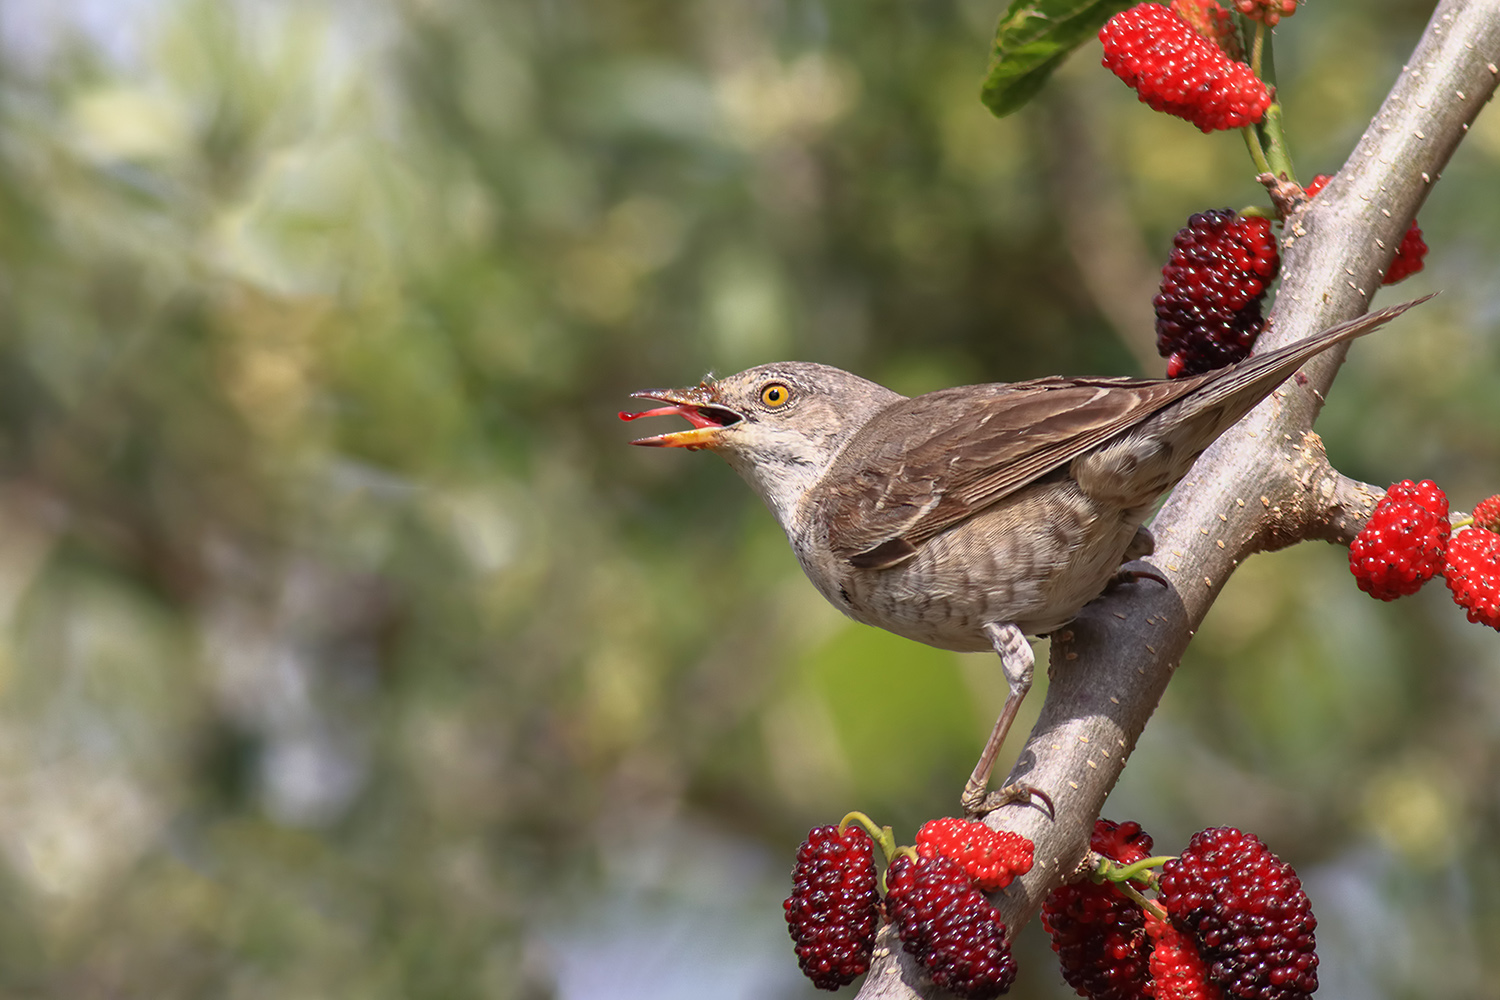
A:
{"x": 1265, "y": 484}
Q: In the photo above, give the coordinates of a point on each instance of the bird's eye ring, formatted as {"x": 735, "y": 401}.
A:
{"x": 774, "y": 395}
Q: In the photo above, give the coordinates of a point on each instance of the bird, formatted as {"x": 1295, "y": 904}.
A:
{"x": 971, "y": 517}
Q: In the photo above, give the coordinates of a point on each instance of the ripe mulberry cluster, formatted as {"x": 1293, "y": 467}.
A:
{"x": 991, "y": 858}
{"x": 1246, "y": 911}
{"x": 1410, "y": 256}
{"x": 831, "y": 913}
{"x": 934, "y": 896}
{"x": 1176, "y": 70}
{"x": 1098, "y": 933}
{"x": 949, "y": 925}
{"x": 1401, "y": 547}
{"x": 1208, "y": 311}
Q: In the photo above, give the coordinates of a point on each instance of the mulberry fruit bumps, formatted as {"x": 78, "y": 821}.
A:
{"x": 949, "y": 925}
{"x": 1410, "y": 256}
{"x": 833, "y": 909}
{"x": 1401, "y": 547}
{"x": 1176, "y": 70}
{"x": 1472, "y": 570}
{"x": 1177, "y": 970}
{"x": 1211, "y": 21}
{"x": 1123, "y": 843}
{"x": 991, "y": 858}
{"x": 1097, "y": 932}
{"x": 1246, "y": 911}
{"x": 1269, "y": 11}
{"x": 1487, "y": 513}
{"x": 1208, "y": 312}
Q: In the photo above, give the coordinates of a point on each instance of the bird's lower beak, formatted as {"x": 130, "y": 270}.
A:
{"x": 697, "y": 406}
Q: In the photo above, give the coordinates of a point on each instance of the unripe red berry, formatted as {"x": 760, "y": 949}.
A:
{"x": 1487, "y": 513}
{"x": 1177, "y": 970}
{"x": 1401, "y": 547}
{"x": 1472, "y": 570}
{"x": 1269, "y": 11}
{"x": 1211, "y": 21}
{"x": 992, "y": 858}
{"x": 1123, "y": 843}
{"x": 1178, "y": 71}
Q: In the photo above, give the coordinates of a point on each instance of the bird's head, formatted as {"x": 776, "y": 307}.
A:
{"x": 778, "y": 425}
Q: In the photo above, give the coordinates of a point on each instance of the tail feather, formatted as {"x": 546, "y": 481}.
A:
{"x": 1253, "y": 379}
{"x": 1134, "y": 469}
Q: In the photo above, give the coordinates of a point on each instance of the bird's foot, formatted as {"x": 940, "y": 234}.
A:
{"x": 979, "y": 803}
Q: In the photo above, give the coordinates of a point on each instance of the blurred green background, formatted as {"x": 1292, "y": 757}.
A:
{"x": 347, "y": 651}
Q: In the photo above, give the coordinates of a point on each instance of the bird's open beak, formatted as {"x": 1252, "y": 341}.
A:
{"x": 701, "y": 408}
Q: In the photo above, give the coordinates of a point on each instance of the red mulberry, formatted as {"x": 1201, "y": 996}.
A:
{"x": 1176, "y": 70}
{"x": 992, "y": 858}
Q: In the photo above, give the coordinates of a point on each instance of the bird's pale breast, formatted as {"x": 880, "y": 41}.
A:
{"x": 1034, "y": 559}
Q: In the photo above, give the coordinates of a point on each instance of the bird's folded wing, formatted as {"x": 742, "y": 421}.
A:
{"x": 929, "y": 462}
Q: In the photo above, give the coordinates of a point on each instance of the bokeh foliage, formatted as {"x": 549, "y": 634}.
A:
{"x": 345, "y": 650}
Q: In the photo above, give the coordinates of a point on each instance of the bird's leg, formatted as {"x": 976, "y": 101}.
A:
{"x": 1018, "y": 662}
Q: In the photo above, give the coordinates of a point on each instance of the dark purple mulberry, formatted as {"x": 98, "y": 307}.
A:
{"x": 949, "y": 925}
{"x": 1245, "y": 909}
{"x": 1208, "y": 310}
{"x": 1099, "y": 934}
{"x": 834, "y": 906}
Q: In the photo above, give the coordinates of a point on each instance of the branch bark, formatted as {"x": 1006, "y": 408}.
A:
{"x": 1265, "y": 484}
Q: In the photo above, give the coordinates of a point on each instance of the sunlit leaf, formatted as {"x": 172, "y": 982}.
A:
{"x": 1032, "y": 40}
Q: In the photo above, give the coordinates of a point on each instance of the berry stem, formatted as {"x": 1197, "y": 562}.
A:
{"x": 1278, "y": 155}
{"x": 1140, "y": 869}
{"x": 883, "y": 836}
{"x": 1257, "y": 155}
{"x": 1149, "y": 905}
{"x": 1274, "y": 155}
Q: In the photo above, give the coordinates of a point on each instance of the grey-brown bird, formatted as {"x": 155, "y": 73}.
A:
{"x": 971, "y": 517}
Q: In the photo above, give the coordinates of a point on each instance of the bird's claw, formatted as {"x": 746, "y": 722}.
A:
{"x": 978, "y": 803}
{"x": 1124, "y": 576}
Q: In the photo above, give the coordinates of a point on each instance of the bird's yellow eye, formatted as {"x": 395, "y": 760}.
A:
{"x": 774, "y": 394}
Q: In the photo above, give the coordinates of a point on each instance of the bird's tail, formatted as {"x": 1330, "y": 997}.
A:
{"x": 1237, "y": 391}
{"x": 1136, "y": 468}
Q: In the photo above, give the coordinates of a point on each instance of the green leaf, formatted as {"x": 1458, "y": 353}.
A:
{"x": 1032, "y": 39}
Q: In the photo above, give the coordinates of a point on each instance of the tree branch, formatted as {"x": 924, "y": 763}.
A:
{"x": 1265, "y": 484}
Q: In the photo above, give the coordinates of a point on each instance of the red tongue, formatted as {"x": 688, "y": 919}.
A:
{"x": 689, "y": 412}
{"x": 660, "y": 411}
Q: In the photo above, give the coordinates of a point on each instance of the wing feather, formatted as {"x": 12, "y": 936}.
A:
{"x": 926, "y": 463}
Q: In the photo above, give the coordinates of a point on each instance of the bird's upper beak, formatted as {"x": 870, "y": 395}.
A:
{"x": 699, "y": 404}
